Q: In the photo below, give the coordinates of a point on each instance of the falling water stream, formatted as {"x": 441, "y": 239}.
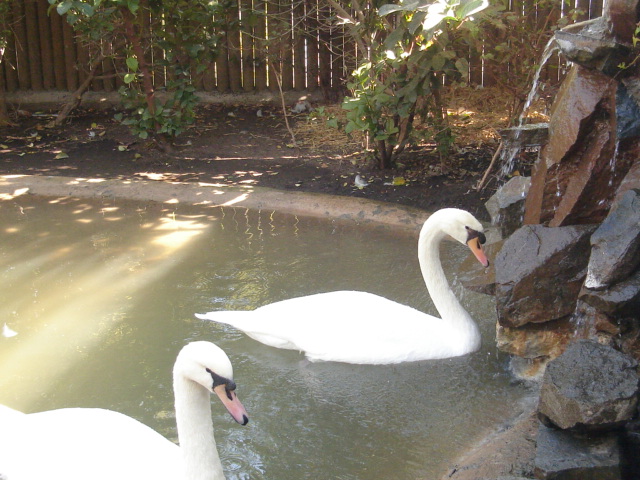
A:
{"x": 102, "y": 295}
{"x": 510, "y": 151}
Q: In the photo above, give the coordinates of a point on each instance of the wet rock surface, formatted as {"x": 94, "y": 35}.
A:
{"x": 615, "y": 245}
{"x": 623, "y": 299}
{"x": 540, "y": 340}
{"x": 562, "y": 455}
{"x": 539, "y": 273}
{"x": 589, "y": 387}
{"x": 506, "y": 206}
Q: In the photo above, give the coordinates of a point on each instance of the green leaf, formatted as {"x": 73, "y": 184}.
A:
{"x": 133, "y": 5}
{"x": 64, "y": 7}
{"x": 468, "y": 8}
{"x": 86, "y": 8}
{"x": 129, "y": 77}
{"x": 132, "y": 63}
{"x": 410, "y": 5}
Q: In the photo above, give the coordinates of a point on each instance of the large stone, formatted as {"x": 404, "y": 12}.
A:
{"x": 615, "y": 245}
{"x": 627, "y": 112}
{"x": 631, "y": 180}
{"x": 506, "y": 206}
{"x": 576, "y": 176}
{"x": 562, "y": 455}
{"x": 536, "y": 340}
{"x": 589, "y": 386}
{"x": 539, "y": 273}
{"x": 527, "y": 135}
{"x": 622, "y": 17}
{"x": 623, "y": 299}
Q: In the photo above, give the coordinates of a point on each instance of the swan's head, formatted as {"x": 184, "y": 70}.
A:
{"x": 208, "y": 365}
{"x": 463, "y": 227}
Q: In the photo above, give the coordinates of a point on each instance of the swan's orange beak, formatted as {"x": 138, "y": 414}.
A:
{"x": 230, "y": 400}
{"x": 476, "y": 247}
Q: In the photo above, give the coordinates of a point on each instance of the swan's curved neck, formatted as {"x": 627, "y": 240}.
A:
{"x": 195, "y": 431}
{"x": 443, "y": 297}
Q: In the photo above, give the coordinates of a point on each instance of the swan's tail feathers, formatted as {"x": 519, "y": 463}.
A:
{"x": 228, "y": 317}
{"x": 254, "y": 327}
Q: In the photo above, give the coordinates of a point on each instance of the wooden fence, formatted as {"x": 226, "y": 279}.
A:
{"x": 43, "y": 54}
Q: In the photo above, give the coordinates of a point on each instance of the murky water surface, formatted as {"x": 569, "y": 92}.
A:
{"x": 102, "y": 294}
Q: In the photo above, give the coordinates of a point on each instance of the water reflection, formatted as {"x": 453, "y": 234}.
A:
{"x": 102, "y": 294}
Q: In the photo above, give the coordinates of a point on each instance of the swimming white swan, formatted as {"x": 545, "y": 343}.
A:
{"x": 358, "y": 327}
{"x": 97, "y": 444}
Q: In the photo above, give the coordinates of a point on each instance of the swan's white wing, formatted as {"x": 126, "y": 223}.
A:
{"x": 344, "y": 326}
{"x": 81, "y": 444}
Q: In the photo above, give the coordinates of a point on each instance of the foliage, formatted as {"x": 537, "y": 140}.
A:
{"x": 404, "y": 77}
{"x": 182, "y": 38}
{"x": 515, "y": 41}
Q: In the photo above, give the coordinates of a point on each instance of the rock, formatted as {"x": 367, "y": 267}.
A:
{"x": 528, "y": 135}
{"x": 615, "y": 245}
{"x": 627, "y": 114}
{"x": 631, "y": 441}
{"x": 506, "y": 454}
{"x": 539, "y": 273}
{"x": 546, "y": 340}
{"x": 631, "y": 180}
{"x": 620, "y": 300}
{"x": 588, "y": 44}
{"x": 622, "y": 19}
{"x": 564, "y": 455}
{"x": 575, "y": 178}
{"x": 589, "y": 387}
{"x": 506, "y": 206}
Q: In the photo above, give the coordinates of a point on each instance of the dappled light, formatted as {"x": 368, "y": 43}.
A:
{"x": 81, "y": 290}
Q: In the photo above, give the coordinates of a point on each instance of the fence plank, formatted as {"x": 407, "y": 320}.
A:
{"x": 33, "y": 44}
{"x": 324, "y": 52}
{"x": 222, "y": 67}
{"x": 46, "y": 45}
{"x": 299, "y": 67}
{"x": 247, "y": 45}
{"x": 260, "y": 60}
{"x": 233, "y": 46}
{"x": 57, "y": 44}
{"x": 22, "y": 57}
{"x": 273, "y": 31}
{"x": 311, "y": 7}
{"x": 9, "y": 62}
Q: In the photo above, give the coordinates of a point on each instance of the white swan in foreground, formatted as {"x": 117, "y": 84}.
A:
{"x": 358, "y": 327}
{"x": 97, "y": 444}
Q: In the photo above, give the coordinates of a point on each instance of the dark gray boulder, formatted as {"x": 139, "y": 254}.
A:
{"x": 539, "y": 273}
{"x": 589, "y": 387}
{"x": 506, "y": 206}
{"x": 562, "y": 455}
{"x": 615, "y": 251}
{"x": 622, "y": 299}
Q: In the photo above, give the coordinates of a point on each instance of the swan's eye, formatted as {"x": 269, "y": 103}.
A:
{"x": 471, "y": 234}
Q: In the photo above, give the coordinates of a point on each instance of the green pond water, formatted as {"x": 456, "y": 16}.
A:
{"x": 102, "y": 294}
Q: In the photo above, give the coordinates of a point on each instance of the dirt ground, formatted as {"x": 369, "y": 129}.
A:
{"x": 250, "y": 145}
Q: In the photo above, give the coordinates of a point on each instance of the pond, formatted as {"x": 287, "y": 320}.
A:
{"x": 102, "y": 294}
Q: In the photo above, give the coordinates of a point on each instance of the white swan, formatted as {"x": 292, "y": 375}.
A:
{"x": 97, "y": 444}
{"x": 358, "y": 327}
